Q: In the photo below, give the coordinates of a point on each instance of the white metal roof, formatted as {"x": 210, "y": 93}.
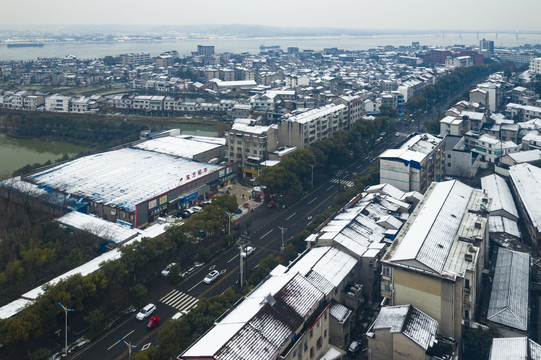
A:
{"x": 502, "y": 199}
{"x": 430, "y": 236}
{"x": 122, "y": 178}
{"x": 519, "y": 348}
{"x": 510, "y": 290}
{"x": 527, "y": 180}
{"x": 177, "y": 146}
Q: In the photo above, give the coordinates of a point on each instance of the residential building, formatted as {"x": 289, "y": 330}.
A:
{"x": 303, "y": 129}
{"x": 486, "y": 47}
{"x": 140, "y": 58}
{"x": 523, "y": 112}
{"x": 57, "y": 103}
{"x": 535, "y": 66}
{"x": 451, "y": 125}
{"x": 489, "y": 148}
{"x": 524, "y": 178}
{"x": 509, "y": 305}
{"x": 250, "y": 144}
{"x": 203, "y": 50}
{"x": 415, "y": 164}
{"x": 405, "y": 332}
{"x": 436, "y": 260}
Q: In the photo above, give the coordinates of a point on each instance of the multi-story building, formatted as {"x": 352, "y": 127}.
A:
{"x": 523, "y": 112}
{"x": 250, "y": 144}
{"x": 415, "y": 164}
{"x": 486, "y": 47}
{"x": 203, "y": 50}
{"x": 488, "y": 147}
{"x": 140, "y": 58}
{"x": 535, "y": 66}
{"x": 58, "y": 103}
{"x": 436, "y": 260}
{"x": 318, "y": 124}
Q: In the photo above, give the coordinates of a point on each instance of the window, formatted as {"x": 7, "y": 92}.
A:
{"x": 467, "y": 314}
{"x": 325, "y": 315}
{"x": 305, "y": 345}
{"x": 386, "y": 270}
{"x": 319, "y": 323}
{"x": 239, "y": 142}
{"x": 325, "y": 333}
{"x": 467, "y": 284}
{"x": 312, "y": 352}
{"x": 311, "y": 333}
{"x": 319, "y": 343}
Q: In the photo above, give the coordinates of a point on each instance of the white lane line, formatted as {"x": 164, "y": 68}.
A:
{"x": 267, "y": 233}
{"x": 330, "y": 187}
{"x": 233, "y": 258}
{"x": 193, "y": 287}
{"x": 290, "y": 216}
{"x": 311, "y": 201}
{"x": 125, "y": 336}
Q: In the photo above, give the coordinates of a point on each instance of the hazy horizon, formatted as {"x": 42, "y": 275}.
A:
{"x": 385, "y": 15}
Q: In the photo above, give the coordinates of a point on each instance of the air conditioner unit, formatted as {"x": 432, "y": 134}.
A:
{"x": 113, "y": 211}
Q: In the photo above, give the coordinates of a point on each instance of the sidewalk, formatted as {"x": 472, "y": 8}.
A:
{"x": 243, "y": 194}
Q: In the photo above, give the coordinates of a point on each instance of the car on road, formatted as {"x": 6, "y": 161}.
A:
{"x": 145, "y": 312}
{"x": 397, "y": 134}
{"x": 165, "y": 272}
{"x": 246, "y": 205}
{"x": 213, "y": 275}
{"x": 196, "y": 209}
{"x": 271, "y": 204}
{"x": 179, "y": 315}
{"x": 247, "y": 251}
{"x": 153, "y": 322}
{"x": 354, "y": 349}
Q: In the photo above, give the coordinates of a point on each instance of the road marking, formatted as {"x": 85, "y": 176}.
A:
{"x": 179, "y": 300}
{"x": 290, "y": 216}
{"x": 311, "y": 201}
{"x": 268, "y": 232}
{"x": 125, "y": 336}
{"x": 146, "y": 346}
{"x": 212, "y": 267}
{"x": 233, "y": 258}
{"x": 193, "y": 287}
{"x": 329, "y": 188}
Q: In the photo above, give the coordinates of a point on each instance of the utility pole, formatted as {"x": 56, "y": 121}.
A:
{"x": 229, "y": 229}
{"x": 241, "y": 268}
{"x": 312, "y": 166}
{"x": 282, "y": 229}
{"x": 130, "y": 347}
{"x": 66, "y": 310}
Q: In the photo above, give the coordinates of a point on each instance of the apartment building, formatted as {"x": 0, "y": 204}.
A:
{"x": 140, "y": 58}
{"x": 205, "y": 50}
{"x": 535, "y": 66}
{"x": 57, "y": 103}
{"x": 523, "y": 112}
{"x": 250, "y": 144}
{"x": 436, "y": 260}
{"x": 318, "y": 124}
{"x": 415, "y": 164}
{"x": 489, "y": 148}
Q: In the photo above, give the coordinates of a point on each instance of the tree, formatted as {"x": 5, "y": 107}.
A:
{"x": 139, "y": 292}
{"x": 95, "y": 322}
{"x": 477, "y": 342}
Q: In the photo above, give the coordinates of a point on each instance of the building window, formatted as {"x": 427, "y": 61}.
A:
{"x": 467, "y": 284}
{"x": 311, "y": 333}
{"x": 325, "y": 316}
{"x": 325, "y": 333}
{"x": 319, "y": 343}
{"x": 386, "y": 270}
{"x": 312, "y": 352}
{"x": 467, "y": 314}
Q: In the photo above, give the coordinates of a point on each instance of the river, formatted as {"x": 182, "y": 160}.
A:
{"x": 16, "y": 153}
{"x": 94, "y": 49}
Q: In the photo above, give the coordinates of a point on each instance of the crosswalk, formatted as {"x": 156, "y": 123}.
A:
{"x": 179, "y": 300}
{"x": 348, "y": 183}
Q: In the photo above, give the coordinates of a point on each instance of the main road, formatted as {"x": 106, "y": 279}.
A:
{"x": 266, "y": 238}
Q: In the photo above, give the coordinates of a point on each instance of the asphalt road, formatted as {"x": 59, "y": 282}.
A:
{"x": 266, "y": 238}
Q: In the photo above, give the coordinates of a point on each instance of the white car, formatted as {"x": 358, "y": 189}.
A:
{"x": 179, "y": 315}
{"x": 247, "y": 251}
{"x": 167, "y": 270}
{"x": 145, "y": 312}
{"x": 213, "y": 275}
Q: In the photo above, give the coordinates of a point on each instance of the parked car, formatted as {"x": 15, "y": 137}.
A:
{"x": 179, "y": 315}
{"x": 246, "y": 205}
{"x": 271, "y": 204}
{"x": 354, "y": 349}
{"x": 165, "y": 272}
{"x": 236, "y": 226}
{"x": 145, "y": 312}
{"x": 213, "y": 275}
{"x": 196, "y": 208}
{"x": 238, "y": 211}
{"x": 153, "y": 322}
{"x": 247, "y": 251}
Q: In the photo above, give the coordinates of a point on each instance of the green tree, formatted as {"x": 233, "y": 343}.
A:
{"x": 95, "y": 320}
{"x": 41, "y": 354}
{"x": 139, "y": 292}
{"x": 477, "y": 342}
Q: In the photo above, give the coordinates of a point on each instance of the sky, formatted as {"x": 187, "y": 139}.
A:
{"x": 459, "y": 15}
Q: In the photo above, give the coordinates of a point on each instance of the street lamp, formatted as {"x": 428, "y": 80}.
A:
{"x": 312, "y": 166}
{"x": 282, "y": 229}
{"x": 130, "y": 346}
{"x": 66, "y": 321}
{"x": 228, "y": 214}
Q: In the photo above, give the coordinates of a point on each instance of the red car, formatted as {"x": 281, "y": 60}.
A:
{"x": 153, "y": 322}
{"x": 271, "y": 204}
{"x": 246, "y": 205}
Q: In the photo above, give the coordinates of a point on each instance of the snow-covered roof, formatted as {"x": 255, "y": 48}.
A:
{"x": 122, "y": 178}
{"x": 314, "y": 114}
{"x": 500, "y": 224}
{"x": 429, "y": 239}
{"x": 325, "y": 267}
{"x": 340, "y": 312}
{"x": 510, "y": 290}
{"x": 526, "y": 156}
{"x": 502, "y": 199}
{"x": 182, "y": 146}
{"x": 97, "y": 226}
{"x": 415, "y": 149}
{"x": 408, "y": 320}
{"x": 527, "y": 179}
{"x": 519, "y": 348}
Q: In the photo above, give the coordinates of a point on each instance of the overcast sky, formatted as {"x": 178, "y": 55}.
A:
{"x": 511, "y": 15}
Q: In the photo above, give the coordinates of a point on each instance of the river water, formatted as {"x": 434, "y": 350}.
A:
{"x": 91, "y": 50}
